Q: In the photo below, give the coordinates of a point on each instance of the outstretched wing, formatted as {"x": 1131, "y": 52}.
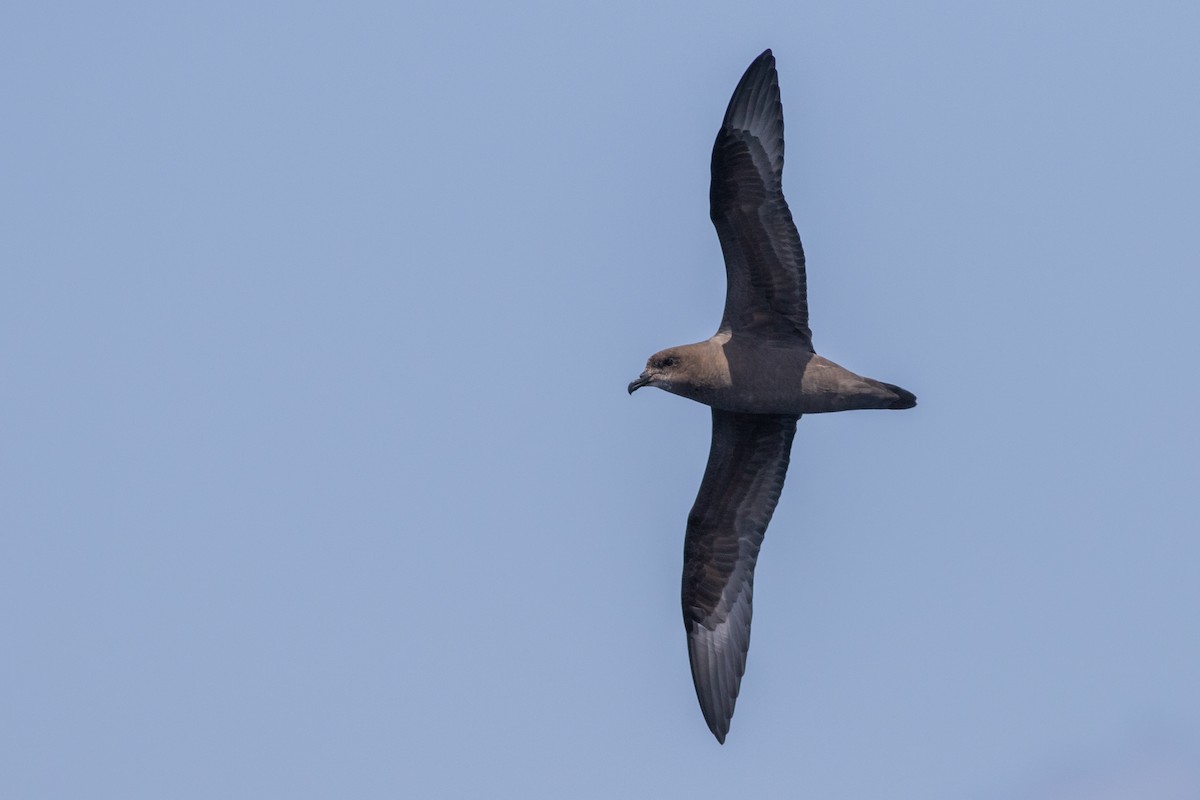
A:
{"x": 764, "y": 262}
{"x": 746, "y": 467}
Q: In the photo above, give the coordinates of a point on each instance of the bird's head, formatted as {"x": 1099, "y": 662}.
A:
{"x": 666, "y": 369}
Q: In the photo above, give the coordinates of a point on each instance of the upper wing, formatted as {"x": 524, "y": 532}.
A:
{"x": 746, "y": 467}
{"x": 764, "y": 262}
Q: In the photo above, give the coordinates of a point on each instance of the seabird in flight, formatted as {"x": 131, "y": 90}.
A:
{"x": 759, "y": 373}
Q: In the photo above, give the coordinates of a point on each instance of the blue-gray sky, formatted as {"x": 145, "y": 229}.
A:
{"x": 319, "y": 474}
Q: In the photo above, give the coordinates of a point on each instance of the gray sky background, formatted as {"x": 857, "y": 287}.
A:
{"x": 319, "y": 475}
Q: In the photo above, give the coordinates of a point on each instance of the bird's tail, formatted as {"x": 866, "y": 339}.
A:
{"x": 904, "y": 398}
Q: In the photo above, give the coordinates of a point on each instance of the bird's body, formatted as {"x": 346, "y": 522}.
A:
{"x": 759, "y": 373}
{"x": 753, "y": 376}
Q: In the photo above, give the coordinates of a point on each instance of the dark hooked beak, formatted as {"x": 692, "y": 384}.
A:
{"x": 642, "y": 380}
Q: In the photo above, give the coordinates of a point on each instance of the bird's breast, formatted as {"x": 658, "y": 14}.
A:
{"x": 780, "y": 380}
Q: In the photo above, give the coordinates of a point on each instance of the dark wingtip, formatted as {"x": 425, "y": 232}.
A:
{"x": 765, "y": 62}
{"x": 755, "y": 109}
{"x": 719, "y": 728}
{"x": 717, "y": 723}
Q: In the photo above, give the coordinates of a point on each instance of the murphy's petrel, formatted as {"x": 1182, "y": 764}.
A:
{"x": 759, "y": 374}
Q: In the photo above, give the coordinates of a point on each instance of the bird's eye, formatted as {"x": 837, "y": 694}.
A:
{"x": 670, "y": 361}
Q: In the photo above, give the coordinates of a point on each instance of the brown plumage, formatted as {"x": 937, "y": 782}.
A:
{"x": 759, "y": 374}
